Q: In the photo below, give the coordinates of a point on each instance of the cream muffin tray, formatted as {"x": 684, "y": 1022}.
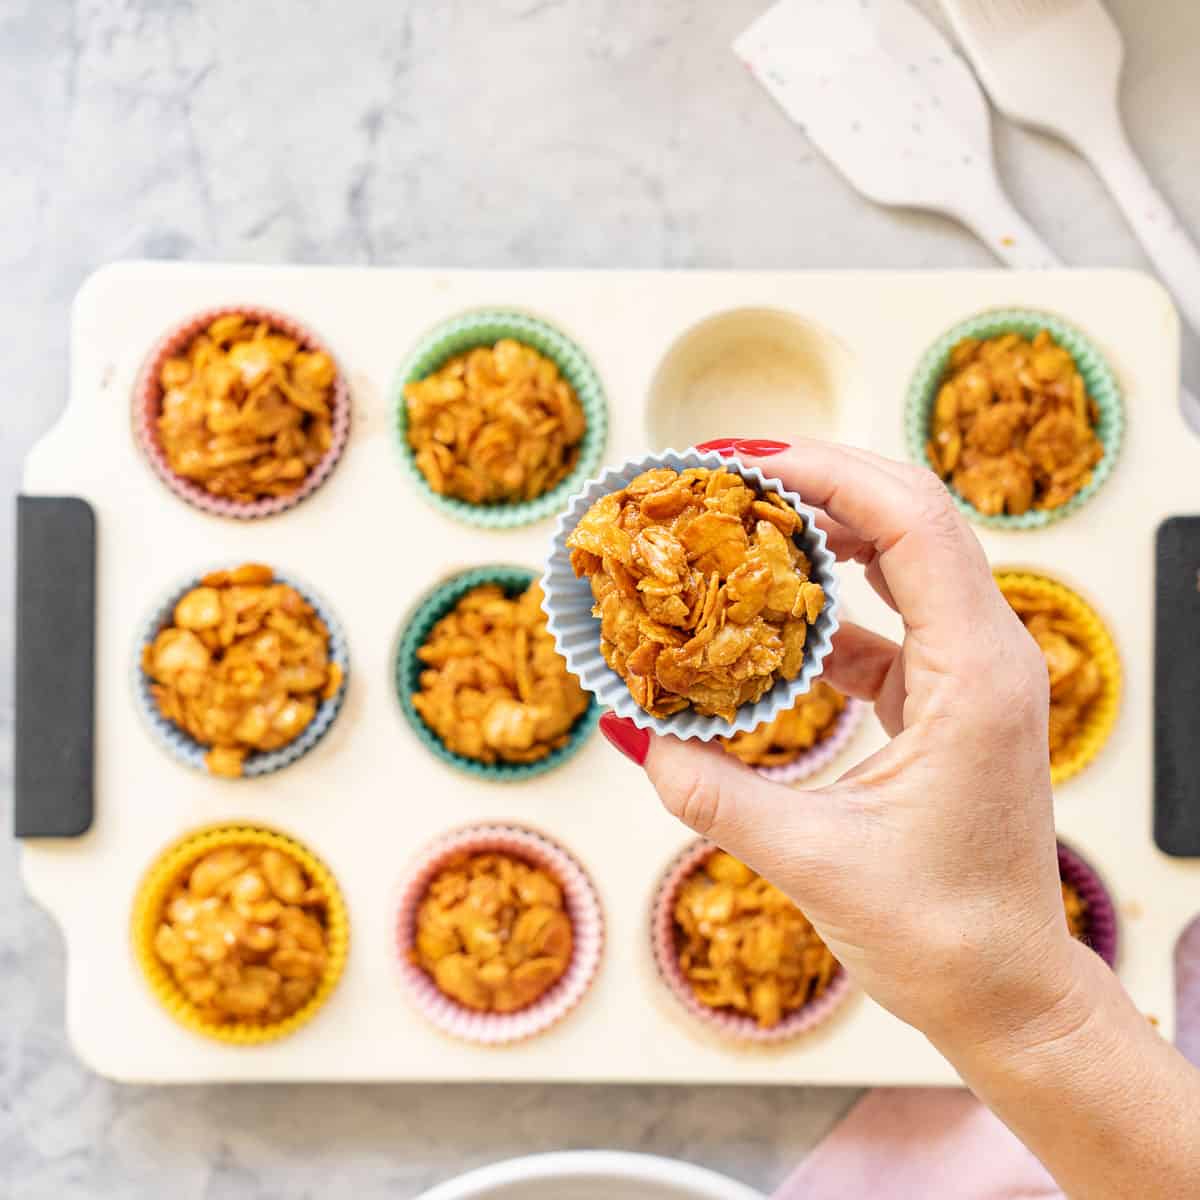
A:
{"x": 682, "y": 357}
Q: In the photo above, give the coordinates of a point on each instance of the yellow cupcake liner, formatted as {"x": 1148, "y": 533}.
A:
{"x": 147, "y": 913}
{"x": 1103, "y": 713}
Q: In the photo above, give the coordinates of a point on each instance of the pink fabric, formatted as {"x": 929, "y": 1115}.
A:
{"x": 911, "y": 1143}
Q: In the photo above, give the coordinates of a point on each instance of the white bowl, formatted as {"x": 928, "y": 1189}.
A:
{"x": 592, "y": 1175}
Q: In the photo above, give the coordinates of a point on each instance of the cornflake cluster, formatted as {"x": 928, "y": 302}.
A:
{"x": 496, "y": 690}
{"x": 784, "y": 738}
{"x": 493, "y": 932}
{"x": 495, "y": 425}
{"x": 242, "y": 666}
{"x": 1013, "y": 426}
{"x": 246, "y": 413}
{"x": 703, "y": 596}
{"x": 743, "y": 945}
{"x": 1077, "y": 912}
{"x": 243, "y": 933}
{"x": 1075, "y": 678}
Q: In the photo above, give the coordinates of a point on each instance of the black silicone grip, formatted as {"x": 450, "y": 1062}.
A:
{"x": 1177, "y": 687}
{"x": 56, "y": 653}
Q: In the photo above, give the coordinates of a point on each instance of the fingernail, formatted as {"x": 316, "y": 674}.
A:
{"x": 632, "y": 742}
{"x": 761, "y": 447}
{"x": 724, "y": 446}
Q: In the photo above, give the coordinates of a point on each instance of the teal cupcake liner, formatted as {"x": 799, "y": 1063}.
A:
{"x": 485, "y": 327}
{"x": 185, "y": 748}
{"x": 1097, "y": 376}
{"x": 408, "y": 668}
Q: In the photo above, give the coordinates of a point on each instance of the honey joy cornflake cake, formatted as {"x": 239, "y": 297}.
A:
{"x": 1077, "y": 679}
{"x": 241, "y": 665}
{"x": 743, "y": 945}
{"x": 243, "y": 933}
{"x": 246, "y": 409}
{"x": 498, "y": 424}
{"x": 703, "y": 595}
{"x": 494, "y": 689}
{"x": 793, "y": 732}
{"x": 493, "y": 932}
{"x": 1013, "y": 427}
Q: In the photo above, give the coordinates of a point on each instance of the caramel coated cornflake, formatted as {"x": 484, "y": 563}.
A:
{"x": 243, "y": 933}
{"x": 246, "y": 412}
{"x": 1075, "y": 679}
{"x": 743, "y": 945}
{"x": 493, "y": 932}
{"x": 242, "y": 665}
{"x": 703, "y": 596}
{"x": 1077, "y": 912}
{"x": 496, "y": 690}
{"x": 787, "y": 736}
{"x": 1013, "y": 426}
{"x": 495, "y": 425}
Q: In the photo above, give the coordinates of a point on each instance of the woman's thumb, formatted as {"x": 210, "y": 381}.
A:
{"x": 775, "y": 830}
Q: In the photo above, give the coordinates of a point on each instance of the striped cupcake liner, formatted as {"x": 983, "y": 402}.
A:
{"x": 180, "y": 744}
{"x": 152, "y": 896}
{"x": 485, "y": 327}
{"x": 577, "y": 632}
{"x": 583, "y": 908}
{"x": 728, "y": 1024}
{"x": 408, "y": 667}
{"x": 1102, "y": 716}
{"x": 819, "y": 756}
{"x": 1097, "y": 375}
{"x": 1101, "y": 936}
{"x": 147, "y": 406}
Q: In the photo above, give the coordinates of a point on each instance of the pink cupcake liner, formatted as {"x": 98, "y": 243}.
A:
{"x": 810, "y": 761}
{"x": 731, "y": 1025}
{"x": 1101, "y": 912}
{"x": 583, "y": 908}
{"x": 147, "y": 403}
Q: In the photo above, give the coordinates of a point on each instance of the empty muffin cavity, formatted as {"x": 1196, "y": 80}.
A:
{"x": 752, "y": 371}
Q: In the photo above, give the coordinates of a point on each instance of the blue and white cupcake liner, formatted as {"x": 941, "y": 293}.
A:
{"x": 577, "y": 632}
{"x": 180, "y": 744}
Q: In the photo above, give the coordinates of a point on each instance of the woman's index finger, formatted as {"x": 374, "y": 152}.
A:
{"x": 934, "y": 565}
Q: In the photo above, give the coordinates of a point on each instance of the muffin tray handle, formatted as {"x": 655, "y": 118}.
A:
{"x": 1177, "y": 687}
{"x": 55, "y": 678}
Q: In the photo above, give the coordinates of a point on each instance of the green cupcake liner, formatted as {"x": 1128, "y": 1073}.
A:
{"x": 485, "y": 327}
{"x": 408, "y": 667}
{"x": 1097, "y": 376}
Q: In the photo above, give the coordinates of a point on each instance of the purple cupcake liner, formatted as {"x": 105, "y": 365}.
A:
{"x": 1101, "y": 912}
{"x": 819, "y": 756}
{"x": 733, "y": 1026}
{"x": 587, "y": 928}
{"x": 147, "y": 404}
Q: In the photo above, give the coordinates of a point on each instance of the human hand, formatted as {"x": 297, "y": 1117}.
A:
{"x": 930, "y": 868}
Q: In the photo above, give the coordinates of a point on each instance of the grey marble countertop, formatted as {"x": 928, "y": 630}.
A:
{"x": 510, "y": 133}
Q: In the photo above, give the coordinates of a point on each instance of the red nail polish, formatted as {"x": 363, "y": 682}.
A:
{"x": 724, "y": 446}
{"x": 632, "y": 742}
{"x": 761, "y": 447}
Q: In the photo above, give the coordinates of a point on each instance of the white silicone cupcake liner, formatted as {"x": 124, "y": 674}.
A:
{"x": 576, "y": 632}
{"x": 587, "y": 928}
{"x": 809, "y": 762}
{"x": 731, "y": 1025}
{"x": 180, "y": 744}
